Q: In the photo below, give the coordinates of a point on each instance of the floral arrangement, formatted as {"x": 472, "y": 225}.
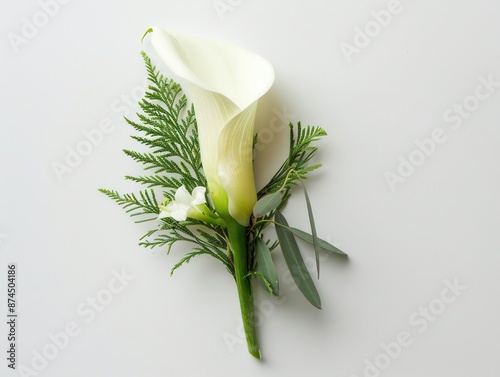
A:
{"x": 202, "y": 165}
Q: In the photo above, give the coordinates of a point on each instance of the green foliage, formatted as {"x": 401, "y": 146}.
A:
{"x": 295, "y": 263}
{"x": 146, "y": 205}
{"x": 299, "y": 155}
{"x": 294, "y": 169}
{"x": 166, "y": 127}
{"x": 273, "y": 198}
{"x": 264, "y": 267}
{"x": 267, "y": 203}
{"x": 169, "y": 130}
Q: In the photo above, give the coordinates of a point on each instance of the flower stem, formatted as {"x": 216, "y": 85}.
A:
{"x": 237, "y": 238}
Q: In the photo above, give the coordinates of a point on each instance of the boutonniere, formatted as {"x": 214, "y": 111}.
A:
{"x": 199, "y": 174}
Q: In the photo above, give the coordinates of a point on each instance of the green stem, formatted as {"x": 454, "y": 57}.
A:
{"x": 237, "y": 238}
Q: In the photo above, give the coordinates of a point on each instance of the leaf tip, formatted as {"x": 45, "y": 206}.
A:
{"x": 150, "y": 30}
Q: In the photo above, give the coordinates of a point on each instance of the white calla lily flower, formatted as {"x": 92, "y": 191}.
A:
{"x": 225, "y": 83}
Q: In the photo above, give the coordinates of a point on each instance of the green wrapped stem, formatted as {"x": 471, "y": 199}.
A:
{"x": 238, "y": 240}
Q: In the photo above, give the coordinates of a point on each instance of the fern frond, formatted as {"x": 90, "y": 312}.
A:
{"x": 145, "y": 205}
{"x": 294, "y": 169}
{"x": 187, "y": 258}
{"x": 300, "y": 154}
{"x": 156, "y": 181}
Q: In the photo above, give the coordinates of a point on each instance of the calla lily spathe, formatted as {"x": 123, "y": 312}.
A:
{"x": 225, "y": 83}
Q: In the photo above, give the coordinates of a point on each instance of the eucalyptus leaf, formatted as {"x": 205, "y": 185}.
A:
{"x": 265, "y": 266}
{"x": 295, "y": 262}
{"x": 264, "y": 282}
{"x": 322, "y": 243}
{"x": 267, "y": 203}
{"x": 313, "y": 228}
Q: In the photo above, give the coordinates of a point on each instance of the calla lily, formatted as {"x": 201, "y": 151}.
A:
{"x": 225, "y": 83}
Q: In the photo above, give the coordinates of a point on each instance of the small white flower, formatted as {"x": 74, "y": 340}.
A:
{"x": 184, "y": 205}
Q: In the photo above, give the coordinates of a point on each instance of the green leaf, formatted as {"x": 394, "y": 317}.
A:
{"x": 186, "y": 259}
{"x": 322, "y": 243}
{"x": 263, "y": 280}
{"x": 294, "y": 261}
{"x": 313, "y": 228}
{"x": 267, "y": 203}
{"x": 265, "y": 265}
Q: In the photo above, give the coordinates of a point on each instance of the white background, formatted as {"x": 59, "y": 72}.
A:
{"x": 440, "y": 223}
